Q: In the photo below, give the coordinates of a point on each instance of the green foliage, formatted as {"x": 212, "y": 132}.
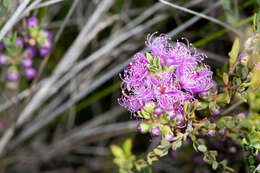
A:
{"x": 234, "y": 53}
{"x": 154, "y": 63}
{"x": 256, "y": 22}
{"x": 231, "y": 11}
{"x": 5, "y": 3}
{"x": 123, "y": 156}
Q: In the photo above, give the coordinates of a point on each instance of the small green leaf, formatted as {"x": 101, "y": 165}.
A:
{"x": 256, "y": 22}
{"x": 117, "y": 151}
{"x": 233, "y": 54}
{"x": 202, "y": 148}
{"x": 214, "y": 165}
{"x": 176, "y": 145}
{"x": 127, "y": 147}
{"x": 6, "y": 3}
{"x": 213, "y": 154}
{"x": 225, "y": 78}
{"x": 149, "y": 57}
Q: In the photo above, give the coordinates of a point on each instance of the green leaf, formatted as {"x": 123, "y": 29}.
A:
{"x": 202, "y": 148}
{"x": 176, "y": 145}
{"x": 157, "y": 63}
{"x": 147, "y": 169}
{"x": 233, "y": 54}
{"x": 127, "y": 147}
{"x": 214, "y": 165}
{"x": 117, "y": 151}
{"x": 251, "y": 160}
{"x": 213, "y": 154}
{"x": 5, "y": 3}
{"x": 225, "y": 78}
{"x": 149, "y": 57}
{"x": 256, "y": 22}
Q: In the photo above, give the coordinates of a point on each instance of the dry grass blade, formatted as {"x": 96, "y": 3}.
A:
{"x": 204, "y": 16}
{"x": 13, "y": 20}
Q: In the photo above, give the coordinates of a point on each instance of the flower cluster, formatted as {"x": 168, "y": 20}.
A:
{"x": 21, "y": 50}
{"x": 159, "y": 83}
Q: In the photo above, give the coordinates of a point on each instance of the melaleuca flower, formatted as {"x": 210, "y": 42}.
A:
{"x": 12, "y": 75}
{"x": 30, "y": 73}
{"x": 27, "y": 62}
{"x": 30, "y": 52}
{"x": 2, "y": 46}
{"x": 19, "y": 42}
{"x": 3, "y": 59}
{"x": 32, "y": 22}
{"x": 161, "y": 81}
{"x": 195, "y": 81}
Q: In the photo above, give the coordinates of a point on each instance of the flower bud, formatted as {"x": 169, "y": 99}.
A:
{"x": 204, "y": 94}
{"x": 30, "y": 73}
{"x": 19, "y": 42}
{"x": 3, "y": 59}
{"x": 47, "y": 34}
{"x": 243, "y": 59}
{"x": 258, "y": 157}
{"x": 171, "y": 114}
{"x": 178, "y": 116}
{"x": 32, "y": 22}
{"x": 223, "y": 131}
{"x": 211, "y": 132}
{"x": 233, "y": 150}
{"x": 143, "y": 127}
{"x": 155, "y": 131}
{"x": 158, "y": 111}
{"x": 44, "y": 52}
{"x": 30, "y": 51}
{"x": 47, "y": 44}
{"x": 2, "y": 46}
{"x": 169, "y": 137}
{"x": 215, "y": 111}
{"x": 12, "y": 76}
{"x": 180, "y": 119}
{"x": 27, "y": 62}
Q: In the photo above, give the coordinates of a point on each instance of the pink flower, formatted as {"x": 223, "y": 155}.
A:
{"x": 148, "y": 80}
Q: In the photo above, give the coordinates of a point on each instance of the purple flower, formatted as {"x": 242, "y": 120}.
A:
{"x": 177, "y": 114}
{"x": 195, "y": 81}
{"x": 215, "y": 111}
{"x": 44, "y": 52}
{"x": 258, "y": 157}
{"x": 158, "y": 111}
{"x": 233, "y": 150}
{"x": 242, "y": 58}
{"x": 198, "y": 160}
{"x": 3, "y": 59}
{"x": 169, "y": 76}
{"x": 12, "y": 76}
{"x": 19, "y": 42}
{"x": 47, "y": 44}
{"x": 27, "y": 62}
{"x": 204, "y": 94}
{"x": 211, "y": 132}
{"x": 155, "y": 131}
{"x": 32, "y": 22}
{"x": 30, "y": 51}
{"x": 30, "y": 73}
{"x": 223, "y": 131}
{"x": 169, "y": 137}
{"x": 47, "y": 34}
{"x": 142, "y": 127}
{"x": 2, "y": 46}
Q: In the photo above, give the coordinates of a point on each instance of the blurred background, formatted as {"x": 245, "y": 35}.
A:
{"x": 70, "y": 114}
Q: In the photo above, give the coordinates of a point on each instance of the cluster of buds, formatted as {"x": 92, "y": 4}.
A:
{"x": 18, "y": 52}
{"x": 156, "y": 86}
